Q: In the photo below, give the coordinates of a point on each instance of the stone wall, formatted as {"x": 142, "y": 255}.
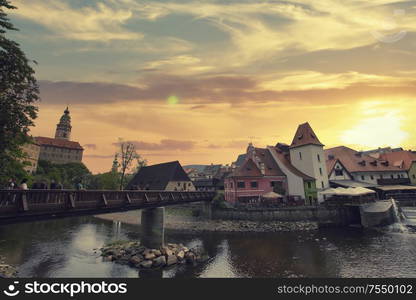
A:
{"x": 322, "y": 215}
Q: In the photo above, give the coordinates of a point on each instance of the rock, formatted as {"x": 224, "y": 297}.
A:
{"x": 146, "y": 264}
{"x": 108, "y": 258}
{"x": 134, "y": 260}
{"x": 184, "y": 249}
{"x": 190, "y": 257}
{"x": 149, "y": 256}
{"x": 180, "y": 255}
{"x": 159, "y": 261}
{"x": 171, "y": 260}
{"x": 166, "y": 251}
{"x": 157, "y": 252}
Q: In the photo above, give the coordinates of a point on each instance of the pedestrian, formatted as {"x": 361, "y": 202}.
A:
{"x": 23, "y": 185}
{"x": 79, "y": 186}
{"x": 53, "y": 185}
{"x": 11, "y": 185}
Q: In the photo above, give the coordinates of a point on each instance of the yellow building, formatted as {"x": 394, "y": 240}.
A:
{"x": 60, "y": 150}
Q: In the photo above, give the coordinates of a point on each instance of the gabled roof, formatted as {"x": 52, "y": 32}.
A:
{"x": 400, "y": 158}
{"x": 240, "y": 159}
{"x": 284, "y": 158}
{"x": 247, "y": 169}
{"x": 271, "y": 168}
{"x": 60, "y": 143}
{"x": 355, "y": 161}
{"x": 157, "y": 177}
{"x": 305, "y": 136}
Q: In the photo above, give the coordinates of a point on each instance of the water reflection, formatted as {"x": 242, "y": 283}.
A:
{"x": 65, "y": 248}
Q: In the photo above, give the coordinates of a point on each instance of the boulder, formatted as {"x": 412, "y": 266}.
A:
{"x": 149, "y": 256}
{"x": 166, "y": 251}
{"x": 171, "y": 260}
{"x": 157, "y": 252}
{"x": 190, "y": 257}
{"x": 146, "y": 264}
{"x": 134, "y": 260}
{"x": 159, "y": 261}
{"x": 180, "y": 255}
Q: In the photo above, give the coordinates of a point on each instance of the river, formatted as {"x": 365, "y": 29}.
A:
{"x": 65, "y": 248}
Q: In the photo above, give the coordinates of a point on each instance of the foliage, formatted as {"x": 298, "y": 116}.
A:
{"x": 67, "y": 174}
{"x": 18, "y": 94}
{"x": 104, "y": 181}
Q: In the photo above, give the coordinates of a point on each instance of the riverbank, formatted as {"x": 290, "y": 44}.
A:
{"x": 182, "y": 219}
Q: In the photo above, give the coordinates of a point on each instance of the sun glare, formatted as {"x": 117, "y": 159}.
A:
{"x": 376, "y": 131}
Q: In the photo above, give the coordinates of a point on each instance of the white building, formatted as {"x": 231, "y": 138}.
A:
{"x": 344, "y": 163}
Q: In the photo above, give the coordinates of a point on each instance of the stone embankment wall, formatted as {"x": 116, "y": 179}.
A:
{"x": 322, "y": 215}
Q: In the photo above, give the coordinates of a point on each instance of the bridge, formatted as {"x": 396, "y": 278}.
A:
{"x": 31, "y": 205}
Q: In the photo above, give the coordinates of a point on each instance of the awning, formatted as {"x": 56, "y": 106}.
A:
{"x": 272, "y": 195}
{"x": 353, "y": 191}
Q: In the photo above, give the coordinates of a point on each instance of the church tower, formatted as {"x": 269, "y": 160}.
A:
{"x": 307, "y": 155}
{"x": 63, "y": 129}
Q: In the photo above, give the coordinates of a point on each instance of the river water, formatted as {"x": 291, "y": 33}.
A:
{"x": 65, "y": 248}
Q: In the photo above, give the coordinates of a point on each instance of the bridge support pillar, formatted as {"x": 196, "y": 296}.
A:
{"x": 207, "y": 210}
{"x": 153, "y": 228}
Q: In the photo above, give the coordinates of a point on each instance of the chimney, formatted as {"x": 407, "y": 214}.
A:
{"x": 262, "y": 168}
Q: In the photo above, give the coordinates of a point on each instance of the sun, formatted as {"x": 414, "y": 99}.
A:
{"x": 377, "y": 131}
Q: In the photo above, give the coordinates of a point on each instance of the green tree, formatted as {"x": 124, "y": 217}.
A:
{"x": 66, "y": 174}
{"x": 19, "y": 93}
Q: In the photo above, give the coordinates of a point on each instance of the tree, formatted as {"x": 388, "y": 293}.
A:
{"x": 67, "y": 174}
{"x": 19, "y": 93}
{"x": 127, "y": 156}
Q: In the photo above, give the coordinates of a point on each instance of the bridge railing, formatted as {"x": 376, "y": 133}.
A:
{"x": 17, "y": 202}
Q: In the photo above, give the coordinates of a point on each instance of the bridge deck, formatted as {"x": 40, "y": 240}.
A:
{"x": 20, "y": 206}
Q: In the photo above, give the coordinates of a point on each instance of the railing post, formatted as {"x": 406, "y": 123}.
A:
{"x": 24, "y": 204}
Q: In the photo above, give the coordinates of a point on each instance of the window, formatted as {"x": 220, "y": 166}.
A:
{"x": 309, "y": 185}
{"x": 339, "y": 172}
{"x": 319, "y": 158}
{"x": 392, "y": 176}
{"x": 414, "y": 176}
{"x": 372, "y": 177}
{"x": 362, "y": 177}
{"x": 320, "y": 171}
{"x": 241, "y": 184}
{"x": 381, "y": 176}
{"x": 398, "y": 175}
{"x": 231, "y": 184}
{"x": 179, "y": 184}
{"x": 323, "y": 185}
{"x": 254, "y": 184}
{"x": 300, "y": 155}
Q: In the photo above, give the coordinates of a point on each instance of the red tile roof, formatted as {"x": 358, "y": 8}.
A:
{"x": 305, "y": 136}
{"x": 60, "y": 143}
{"x": 355, "y": 161}
{"x": 247, "y": 169}
{"x": 400, "y": 158}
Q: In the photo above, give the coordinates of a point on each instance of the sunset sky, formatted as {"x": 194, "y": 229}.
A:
{"x": 195, "y": 81}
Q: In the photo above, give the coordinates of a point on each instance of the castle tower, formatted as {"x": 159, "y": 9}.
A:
{"x": 63, "y": 129}
{"x": 307, "y": 155}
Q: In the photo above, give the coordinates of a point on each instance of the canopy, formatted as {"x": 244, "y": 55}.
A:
{"x": 352, "y": 191}
{"x": 272, "y": 195}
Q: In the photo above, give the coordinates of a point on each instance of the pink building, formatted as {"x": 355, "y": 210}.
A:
{"x": 257, "y": 175}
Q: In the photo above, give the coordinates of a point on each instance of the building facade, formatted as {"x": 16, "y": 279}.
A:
{"x": 282, "y": 169}
{"x": 344, "y": 163}
{"x": 258, "y": 175}
{"x": 60, "y": 150}
{"x": 168, "y": 176}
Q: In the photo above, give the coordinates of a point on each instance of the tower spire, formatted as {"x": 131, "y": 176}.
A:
{"x": 63, "y": 128}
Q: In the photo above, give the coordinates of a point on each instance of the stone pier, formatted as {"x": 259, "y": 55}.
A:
{"x": 153, "y": 227}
